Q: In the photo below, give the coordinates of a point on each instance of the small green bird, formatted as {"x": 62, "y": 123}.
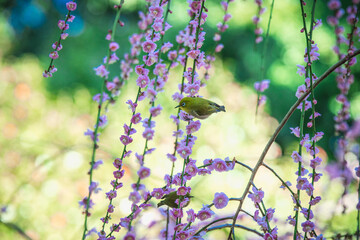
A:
{"x": 169, "y": 200}
{"x": 199, "y": 107}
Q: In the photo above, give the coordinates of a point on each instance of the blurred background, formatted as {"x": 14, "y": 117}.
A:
{"x": 44, "y": 155}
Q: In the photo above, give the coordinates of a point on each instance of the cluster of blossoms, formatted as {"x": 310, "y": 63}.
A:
{"x": 260, "y": 87}
{"x": 344, "y": 81}
{"x": 63, "y": 26}
{"x": 154, "y": 26}
{"x": 86, "y": 202}
{"x": 112, "y": 89}
{"x": 263, "y": 221}
{"x": 112, "y": 194}
{"x": 256, "y": 19}
{"x": 180, "y": 179}
{"x": 305, "y": 179}
{"x": 222, "y": 26}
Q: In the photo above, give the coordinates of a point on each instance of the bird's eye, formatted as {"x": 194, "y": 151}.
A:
{"x": 183, "y": 104}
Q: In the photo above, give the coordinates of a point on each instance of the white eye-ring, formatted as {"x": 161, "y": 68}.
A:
{"x": 183, "y": 104}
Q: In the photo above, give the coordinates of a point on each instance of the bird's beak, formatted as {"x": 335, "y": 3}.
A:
{"x": 177, "y": 106}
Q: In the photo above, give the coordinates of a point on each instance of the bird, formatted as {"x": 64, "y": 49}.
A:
{"x": 200, "y": 108}
{"x": 169, "y": 200}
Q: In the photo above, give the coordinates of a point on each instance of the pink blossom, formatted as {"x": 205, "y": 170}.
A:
{"x": 309, "y": 188}
{"x": 191, "y": 169}
{"x": 307, "y": 214}
{"x": 135, "y": 197}
{"x": 192, "y": 89}
{"x": 147, "y": 123}
{"x": 262, "y": 100}
{"x": 172, "y": 55}
{"x": 71, "y": 6}
{"x": 94, "y": 187}
{"x": 156, "y": 12}
{"x": 258, "y": 39}
{"x": 332, "y": 21}
{"x": 291, "y": 220}
{"x": 117, "y": 163}
{"x": 113, "y": 46}
{"x": 171, "y": 157}
{"x": 132, "y": 105}
{"x": 270, "y": 213}
{"x": 219, "y": 47}
{"x": 151, "y": 58}
{"x": 155, "y": 111}
{"x": 193, "y": 54}
{"x": 102, "y": 71}
{"x": 204, "y": 214}
{"x": 262, "y": 86}
{"x": 118, "y": 174}
{"x": 54, "y": 55}
{"x": 143, "y": 172}
{"x": 129, "y": 131}
{"x": 166, "y": 47}
{"x": 258, "y": 31}
{"x": 157, "y": 26}
{"x": 178, "y": 133}
{"x": 56, "y": 46}
{"x": 296, "y": 157}
{"x": 308, "y": 226}
{"x": 203, "y": 172}
{"x": 158, "y": 193}
{"x": 314, "y": 55}
{"x": 177, "y": 212}
{"x": 111, "y": 194}
{"x": 300, "y": 91}
{"x": 175, "y": 119}
{"x": 191, "y": 215}
{"x": 184, "y": 151}
{"x": 148, "y": 134}
{"x": 151, "y": 94}
{"x": 64, "y": 36}
{"x": 140, "y": 70}
{"x": 102, "y": 121}
{"x": 315, "y": 201}
{"x": 224, "y": 5}
{"x": 318, "y": 23}
{"x": 220, "y": 200}
{"x": 84, "y": 202}
{"x": 104, "y": 98}
{"x": 125, "y": 139}
{"x": 148, "y": 46}
{"x": 62, "y": 25}
{"x": 257, "y": 195}
{"x": 136, "y": 118}
{"x": 315, "y": 162}
{"x": 334, "y": 4}
{"x": 301, "y": 70}
{"x": 142, "y": 81}
{"x": 110, "y": 86}
{"x": 219, "y": 165}
{"x": 227, "y": 17}
{"x": 91, "y": 134}
{"x": 194, "y": 126}
{"x": 182, "y": 191}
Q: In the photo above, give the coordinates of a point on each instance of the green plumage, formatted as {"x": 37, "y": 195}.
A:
{"x": 169, "y": 200}
{"x": 199, "y": 107}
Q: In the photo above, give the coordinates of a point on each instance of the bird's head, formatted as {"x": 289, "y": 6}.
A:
{"x": 185, "y": 103}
